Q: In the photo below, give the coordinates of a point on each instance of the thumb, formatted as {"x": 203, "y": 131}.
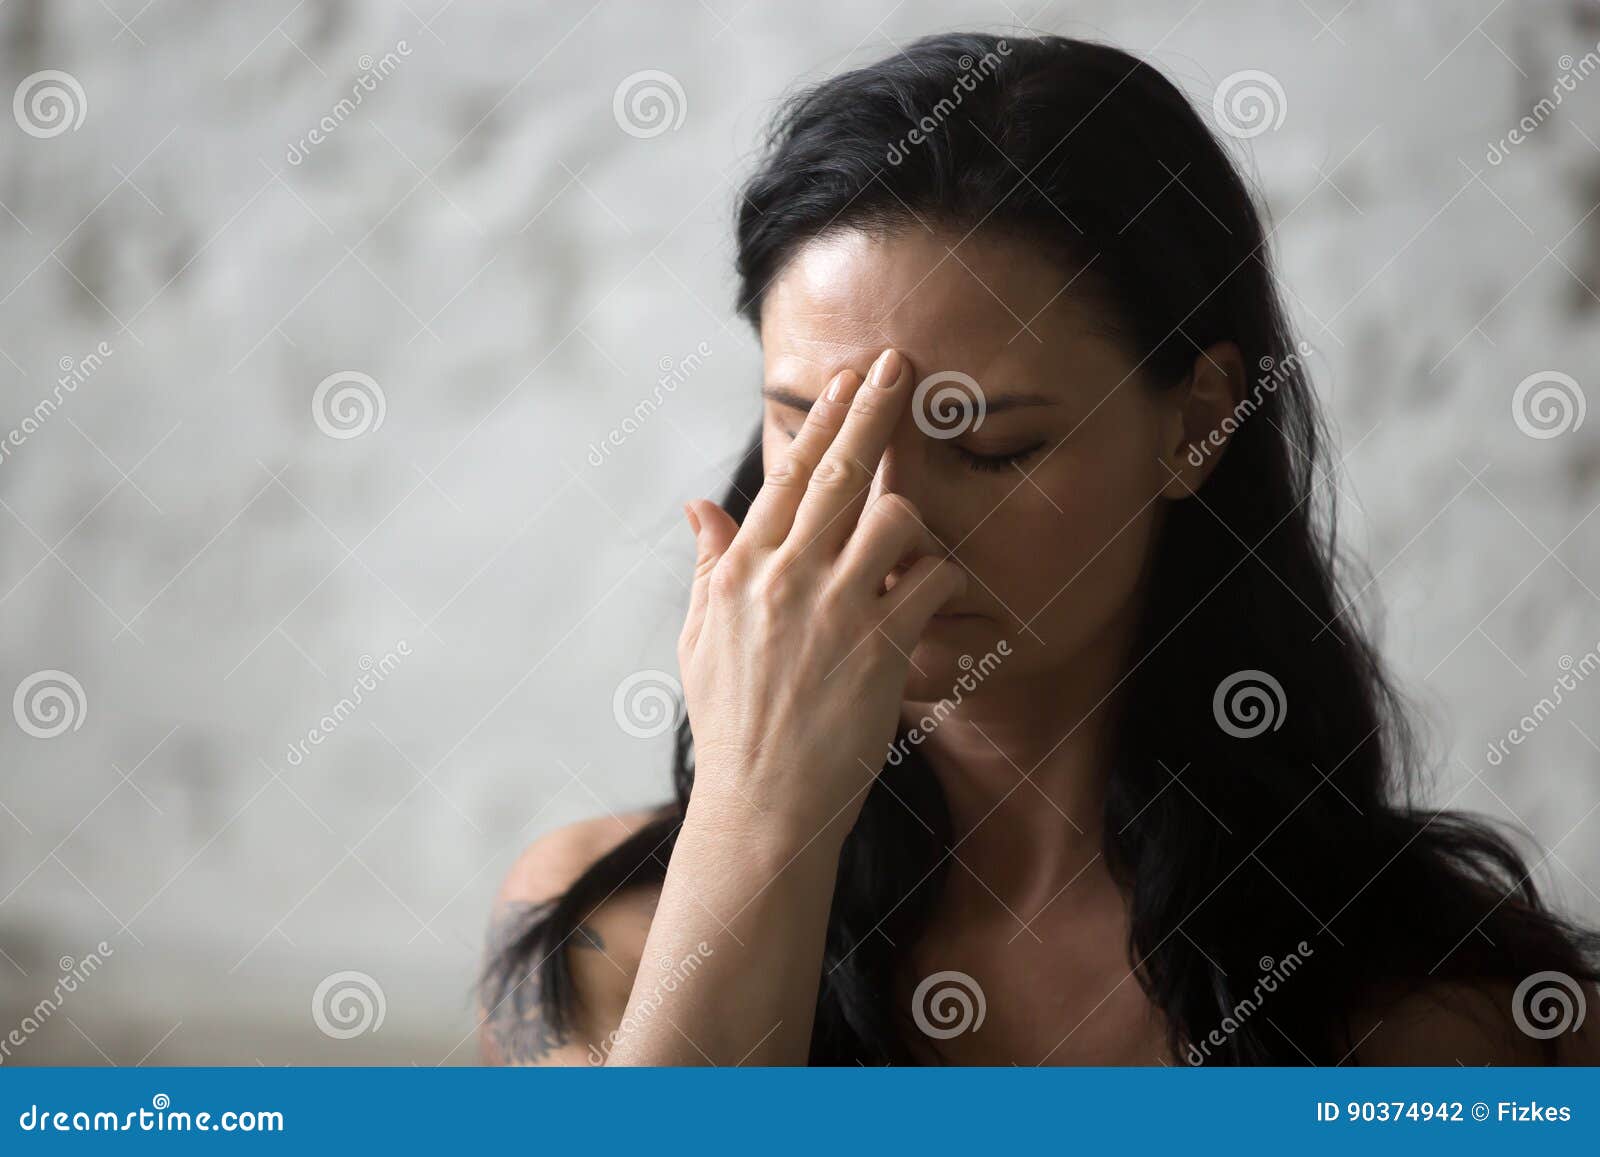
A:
{"x": 714, "y": 530}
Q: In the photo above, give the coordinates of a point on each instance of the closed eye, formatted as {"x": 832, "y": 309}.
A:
{"x": 983, "y": 463}
{"x": 996, "y": 462}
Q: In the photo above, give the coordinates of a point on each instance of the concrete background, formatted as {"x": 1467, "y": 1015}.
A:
{"x": 484, "y": 241}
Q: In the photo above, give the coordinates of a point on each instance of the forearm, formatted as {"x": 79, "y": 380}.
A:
{"x": 730, "y": 968}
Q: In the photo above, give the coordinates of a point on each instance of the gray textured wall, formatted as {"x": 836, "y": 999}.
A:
{"x": 481, "y": 238}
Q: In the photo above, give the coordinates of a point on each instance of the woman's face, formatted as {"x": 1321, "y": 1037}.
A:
{"x": 1050, "y": 503}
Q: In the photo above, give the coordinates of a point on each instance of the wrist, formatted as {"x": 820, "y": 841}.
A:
{"x": 764, "y": 840}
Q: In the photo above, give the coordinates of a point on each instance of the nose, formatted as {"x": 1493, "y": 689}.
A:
{"x": 900, "y": 468}
{"x": 905, "y": 469}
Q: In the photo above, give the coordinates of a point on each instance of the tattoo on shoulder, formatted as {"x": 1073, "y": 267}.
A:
{"x": 516, "y": 1026}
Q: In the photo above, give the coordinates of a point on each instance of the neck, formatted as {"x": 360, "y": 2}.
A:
{"x": 1024, "y": 766}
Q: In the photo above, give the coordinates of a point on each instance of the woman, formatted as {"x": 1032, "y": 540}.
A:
{"x": 1029, "y": 724}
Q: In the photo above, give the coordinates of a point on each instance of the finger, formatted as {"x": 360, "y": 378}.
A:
{"x": 714, "y": 529}
{"x": 831, "y": 506}
{"x": 917, "y": 596}
{"x": 771, "y": 514}
{"x": 891, "y": 533}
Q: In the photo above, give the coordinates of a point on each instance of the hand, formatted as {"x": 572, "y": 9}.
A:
{"x": 794, "y": 655}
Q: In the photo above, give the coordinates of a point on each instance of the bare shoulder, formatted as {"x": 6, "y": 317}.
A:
{"x": 552, "y": 863}
{"x": 602, "y": 954}
{"x": 1487, "y": 1022}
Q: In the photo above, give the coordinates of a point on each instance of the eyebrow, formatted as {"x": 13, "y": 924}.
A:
{"x": 795, "y": 400}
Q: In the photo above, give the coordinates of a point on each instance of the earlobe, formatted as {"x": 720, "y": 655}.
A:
{"x": 1204, "y": 418}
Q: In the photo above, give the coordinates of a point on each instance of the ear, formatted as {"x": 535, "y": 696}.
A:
{"x": 1201, "y": 418}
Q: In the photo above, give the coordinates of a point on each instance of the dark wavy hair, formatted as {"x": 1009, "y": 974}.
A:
{"x": 1309, "y": 831}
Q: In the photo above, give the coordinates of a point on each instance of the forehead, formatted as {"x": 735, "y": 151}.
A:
{"x": 987, "y": 304}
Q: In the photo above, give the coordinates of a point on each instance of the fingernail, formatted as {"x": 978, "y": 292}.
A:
{"x": 694, "y": 520}
{"x": 836, "y": 387}
{"x": 886, "y": 370}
